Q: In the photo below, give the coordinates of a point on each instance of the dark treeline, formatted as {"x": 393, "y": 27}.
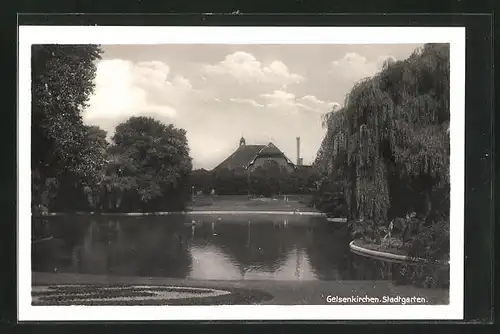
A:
{"x": 145, "y": 167}
{"x": 267, "y": 180}
{"x": 386, "y": 152}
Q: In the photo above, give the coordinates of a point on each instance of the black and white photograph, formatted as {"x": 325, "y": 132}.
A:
{"x": 235, "y": 173}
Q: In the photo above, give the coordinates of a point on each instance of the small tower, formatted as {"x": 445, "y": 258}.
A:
{"x": 242, "y": 142}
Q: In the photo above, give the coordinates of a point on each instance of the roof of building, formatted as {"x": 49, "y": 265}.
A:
{"x": 270, "y": 150}
{"x": 241, "y": 157}
{"x": 245, "y": 155}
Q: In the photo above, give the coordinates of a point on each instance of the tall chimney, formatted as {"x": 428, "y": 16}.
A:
{"x": 298, "y": 151}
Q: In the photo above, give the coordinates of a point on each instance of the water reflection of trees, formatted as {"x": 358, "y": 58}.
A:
{"x": 55, "y": 253}
{"x": 159, "y": 246}
{"x": 427, "y": 276}
{"x": 327, "y": 250}
{"x": 261, "y": 245}
{"x": 265, "y": 245}
{"x": 141, "y": 247}
{"x": 331, "y": 259}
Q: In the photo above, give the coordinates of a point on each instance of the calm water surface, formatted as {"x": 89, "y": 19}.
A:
{"x": 211, "y": 247}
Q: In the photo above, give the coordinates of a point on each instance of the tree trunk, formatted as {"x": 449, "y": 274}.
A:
{"x": 353, "y": 207}
{"x": 426, "y": 183}
{"x": 427, "y": 206}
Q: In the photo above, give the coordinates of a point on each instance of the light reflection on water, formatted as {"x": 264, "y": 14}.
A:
{"x": 220, "y": 248}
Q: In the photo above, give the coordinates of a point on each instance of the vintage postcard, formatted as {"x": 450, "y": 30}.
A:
{"x": 241, "y": 173}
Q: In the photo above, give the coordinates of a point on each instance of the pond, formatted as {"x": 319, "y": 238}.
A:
{"x": 211, "y": 247}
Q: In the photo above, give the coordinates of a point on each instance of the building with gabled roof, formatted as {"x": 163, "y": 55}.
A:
{"x": 249, "y": 157}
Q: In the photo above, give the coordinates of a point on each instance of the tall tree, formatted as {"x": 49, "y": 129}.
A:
{"x": 393, "y": 131}
{"x": 153, "y": 163}
{"x": 95, "y": 157}
{"x": 62, "y": 82}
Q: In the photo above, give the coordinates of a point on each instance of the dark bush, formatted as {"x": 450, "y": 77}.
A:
{"x": 431, "y": 242}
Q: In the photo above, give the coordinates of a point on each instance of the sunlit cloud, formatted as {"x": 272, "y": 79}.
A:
{"x": 245, "y": 68}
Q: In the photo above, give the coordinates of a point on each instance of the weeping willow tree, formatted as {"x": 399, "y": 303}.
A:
{"x": 389, "y": 145}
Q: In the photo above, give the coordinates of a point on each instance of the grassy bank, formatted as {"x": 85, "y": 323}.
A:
{"x": 248, "y": 203}
{"x": 223, "y": 203}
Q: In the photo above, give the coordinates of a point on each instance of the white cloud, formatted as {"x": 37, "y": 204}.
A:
{"x": 151, "y": 72}
{"x": 311, "y": 99}
{"x": 124, "y": 89}
{"x": 355, "y": 67}
{"x": 279, "y": 98}
{"x": 182, "y": 83}
{"x": 290, "y": 103}
{"x": 247, "y": 101}
{"x": 246, "y": 68}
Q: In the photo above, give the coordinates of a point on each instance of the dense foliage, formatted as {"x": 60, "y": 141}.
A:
{"x": 388, "y": 147}
{"x": 201, "y": 180}
{"x": 230, "y": 182}
{"x": 149, "y": 164}
{"x": 74, "y": 168}
{"x": 62, "y": 81}
{"x": 267, "y": 180}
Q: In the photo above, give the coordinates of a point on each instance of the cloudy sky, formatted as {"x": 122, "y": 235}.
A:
{"x": 219, "y": 93}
